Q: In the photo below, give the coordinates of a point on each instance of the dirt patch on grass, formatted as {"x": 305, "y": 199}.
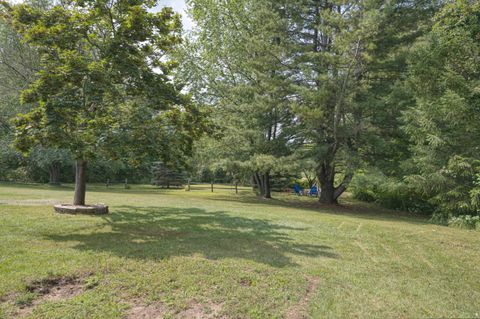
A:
{"x": 246, "y": 282}
{"x": 299, "y": 310}
{"x": 197, "y": 310}
{"x": 9, "y": 297}
{"x": 151, "y": 311}
{"x": 158, "y": 310}
{"x": 56, "y": 288}
{"x": 51, "y": 289}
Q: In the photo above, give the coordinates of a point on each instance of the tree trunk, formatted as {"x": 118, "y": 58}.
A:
{"x": 266, "y": 186}
{"x": 257, "y": 184}
{"x": 80, "y": 182}
{"x": 326, "y": 177}
{"x": 329, "y": 194}
{"x": 263, "y": 183}
{"x": 54, "y": 173}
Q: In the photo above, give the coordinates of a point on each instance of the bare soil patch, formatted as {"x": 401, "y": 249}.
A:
{"x": 56, "y": 288}
{"x": 299, "y": 310}
{"x": 51, "y": 289}
{"x": 200, "y": 311}
{"x": 150, "y": 311}
{"x": 158, "y": 310}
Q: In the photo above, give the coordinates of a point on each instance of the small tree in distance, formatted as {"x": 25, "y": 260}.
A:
{"x": 168, "y": 175}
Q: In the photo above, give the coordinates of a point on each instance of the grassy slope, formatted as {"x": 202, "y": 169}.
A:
{"x": 234, "y": 255}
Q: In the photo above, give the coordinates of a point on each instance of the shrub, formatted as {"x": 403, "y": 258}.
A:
{"x": 465, "y": 221}
{"x": 365, "y": 186}
{"x": 440, "y": 217}
{"x": 389, "y": 192}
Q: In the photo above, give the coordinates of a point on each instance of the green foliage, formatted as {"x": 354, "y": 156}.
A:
{"x": 9, "y": 160}
{"x": 454, "y": 188}
{"x": 234, "y": 63}
{"x": 104, "y": 86}
{"x": 44, "y": 157}
{"x": 101, "y": 62}
{"x": 388, "y": 95}
{"x": 443, "y": 124}
{"x": 465, "y": 221}
{"x": 283, "y": 74}
{"x": 18, "y": 62}
{"x": 297, "y": 90}
{"x": 373, "y": 186}
{"x": 332, "y": 45}
{"x": 167, "y": 175}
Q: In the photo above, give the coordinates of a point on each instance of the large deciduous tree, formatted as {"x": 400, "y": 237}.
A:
{"x": 103, "y": 62}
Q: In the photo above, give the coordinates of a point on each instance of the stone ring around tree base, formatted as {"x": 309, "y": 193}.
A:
{"x": 98, "y": 209}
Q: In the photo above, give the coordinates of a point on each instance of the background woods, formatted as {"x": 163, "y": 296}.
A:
{"x": 376, "y": 98}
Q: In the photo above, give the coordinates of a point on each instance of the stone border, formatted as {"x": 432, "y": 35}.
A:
{"x": 98, "y": 209}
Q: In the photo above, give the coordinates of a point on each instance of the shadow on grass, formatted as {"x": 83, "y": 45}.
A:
{"x": 348, "y": 207}
{"x": 157, "y": 233}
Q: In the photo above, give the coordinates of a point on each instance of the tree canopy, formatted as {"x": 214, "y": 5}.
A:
{"x": 377, "y": 97}
{"x": 104, "y": 80}
{"x": 444, "y": 78}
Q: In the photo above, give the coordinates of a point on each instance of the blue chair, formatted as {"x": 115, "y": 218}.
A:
{"x": 298, "y": 190}
{"x": 313, "y": 191}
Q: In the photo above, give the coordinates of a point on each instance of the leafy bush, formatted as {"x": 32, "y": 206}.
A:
{"x": 365, "y": 186}
{"x": 454, "y": 189}
{"x": 465, "y": 221}
{"x": 440, "y": 217}
{"x": 18, "y": 175}
{"x": 389, "y": 192}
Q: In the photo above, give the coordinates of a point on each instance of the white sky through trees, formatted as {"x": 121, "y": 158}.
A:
{"x": 180, "y": 7}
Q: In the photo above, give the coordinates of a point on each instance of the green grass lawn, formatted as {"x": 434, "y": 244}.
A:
{"x": 177, "y": 254}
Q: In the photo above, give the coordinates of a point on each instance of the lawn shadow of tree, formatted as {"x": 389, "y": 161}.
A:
{"x": 347, "y": 207}
{"x": 157, "y": 233}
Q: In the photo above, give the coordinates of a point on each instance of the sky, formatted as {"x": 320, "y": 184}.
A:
{"x": 180, "y": 7}
{"x": 177, "y": 5}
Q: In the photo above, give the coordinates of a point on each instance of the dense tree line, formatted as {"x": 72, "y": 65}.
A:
{"x": 380, "y": 98}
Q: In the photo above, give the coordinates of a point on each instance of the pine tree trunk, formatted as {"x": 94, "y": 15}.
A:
{"x": 80, "y": 182}
{"x": 326, "y": 177}
{"x": 54, "y": 173}
{"x": 329, "y": 194}
{"x": 263, "y": 183}
{"x": 266, "y": 186}
{"x": 258, "y": 184}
